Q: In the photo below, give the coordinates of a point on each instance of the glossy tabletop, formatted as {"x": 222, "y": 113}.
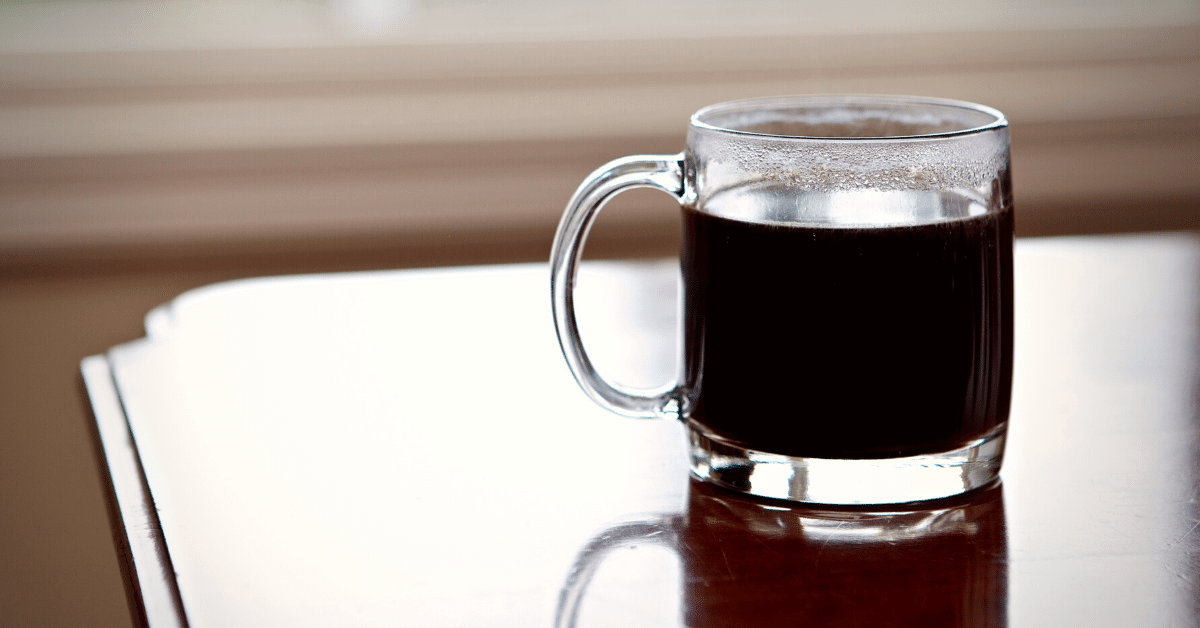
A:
{"x": 408, "y": 448}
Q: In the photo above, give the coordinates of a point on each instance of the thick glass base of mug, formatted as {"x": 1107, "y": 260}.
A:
{"x": 846, "y": 482}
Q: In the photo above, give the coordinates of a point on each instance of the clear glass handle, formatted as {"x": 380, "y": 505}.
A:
{"x": 659, "y": 531}
{"x": 661, "y": 172}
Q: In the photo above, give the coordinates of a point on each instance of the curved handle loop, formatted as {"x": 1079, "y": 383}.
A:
{"x": 659, "y": 531}
{"x": 661, "y": 172}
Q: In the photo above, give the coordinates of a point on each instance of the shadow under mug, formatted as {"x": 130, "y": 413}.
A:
{"x": 847, "y": 296}
{"x": 747, "y": 563}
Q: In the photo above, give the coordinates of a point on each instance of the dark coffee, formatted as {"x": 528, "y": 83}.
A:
{"x": 829, "y": 341}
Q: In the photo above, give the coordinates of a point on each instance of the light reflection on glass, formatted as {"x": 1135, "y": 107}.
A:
{"x": 775, "y": 203}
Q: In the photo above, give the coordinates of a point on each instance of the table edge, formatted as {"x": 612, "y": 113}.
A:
{"x": 150, "y": 583}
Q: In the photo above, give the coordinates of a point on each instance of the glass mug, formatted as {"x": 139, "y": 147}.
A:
{"x": 847, "y": 295}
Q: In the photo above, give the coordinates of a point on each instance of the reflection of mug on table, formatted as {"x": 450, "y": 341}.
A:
{"x": 847, "y": 278}
{"x": 747, "y": 563}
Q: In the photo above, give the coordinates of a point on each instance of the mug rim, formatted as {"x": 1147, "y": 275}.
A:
{"x": 832, "y": 101}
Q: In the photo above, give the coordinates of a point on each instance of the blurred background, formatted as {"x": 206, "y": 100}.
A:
{"x": 152, "y": 146}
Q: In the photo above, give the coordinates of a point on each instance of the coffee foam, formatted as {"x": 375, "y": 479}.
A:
{"x": 849, "y": 122}
{"x": 831, "y": 165}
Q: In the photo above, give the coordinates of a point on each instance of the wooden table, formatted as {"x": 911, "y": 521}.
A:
{"x": 408, "y": 448}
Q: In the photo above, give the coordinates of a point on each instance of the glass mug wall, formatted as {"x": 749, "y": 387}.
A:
{"x": 847, "y": 295}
